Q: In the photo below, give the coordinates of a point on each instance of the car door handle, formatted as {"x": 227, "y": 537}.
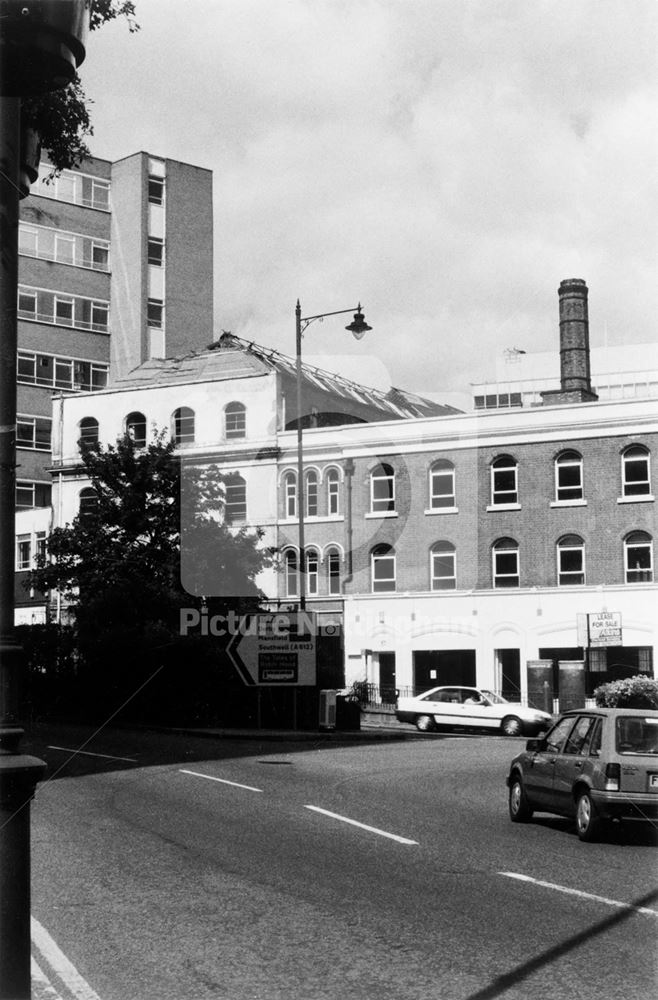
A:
{"x": 578, "y": 764}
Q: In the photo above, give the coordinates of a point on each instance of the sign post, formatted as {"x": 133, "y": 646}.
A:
{"x": 277, "y": 650}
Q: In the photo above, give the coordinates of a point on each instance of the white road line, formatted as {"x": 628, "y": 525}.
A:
{"x": 42, "y": 988}
{"x": 583, "y": 895}
{"x": 370, "y": 829}
{"x": 223, "y": 781}
{"x": 56, "y": 960}
{"x": 88, "y": 753}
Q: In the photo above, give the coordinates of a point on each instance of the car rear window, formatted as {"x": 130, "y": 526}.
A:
{"x": 637, "y": 735}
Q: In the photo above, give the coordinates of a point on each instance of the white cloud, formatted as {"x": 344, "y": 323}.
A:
{"x": 447, "y": 163}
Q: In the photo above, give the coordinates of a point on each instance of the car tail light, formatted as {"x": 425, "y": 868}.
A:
{"x": 612, "y": 777}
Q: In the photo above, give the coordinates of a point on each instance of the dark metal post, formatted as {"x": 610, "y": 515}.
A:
{"x": 301, "y": 562}
{"x": 18, "y": 774}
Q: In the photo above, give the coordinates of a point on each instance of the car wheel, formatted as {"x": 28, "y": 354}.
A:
{"x": 511, "y": 726}
{"x": 520, "y": 810}
{"x": 424, "y": 723}
{"x": 588, "y": 824}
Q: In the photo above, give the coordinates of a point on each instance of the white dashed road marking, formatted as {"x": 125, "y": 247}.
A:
{"x": 362, "y": 826}
{"x": 583, "y": 895}
{"x": 222, "y": 781}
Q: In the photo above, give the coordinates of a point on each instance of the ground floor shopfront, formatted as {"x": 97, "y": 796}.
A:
{"x": 409, "y": 643}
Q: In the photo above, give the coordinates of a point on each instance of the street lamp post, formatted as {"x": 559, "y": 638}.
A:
{"x": 358, "y": 327}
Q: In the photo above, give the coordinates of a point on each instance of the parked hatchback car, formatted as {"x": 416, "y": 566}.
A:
{"x": 468, "y": 707}
{"x": 594, "y": 764}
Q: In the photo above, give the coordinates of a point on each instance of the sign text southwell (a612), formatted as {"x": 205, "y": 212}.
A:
{"x": 275, "y": 649}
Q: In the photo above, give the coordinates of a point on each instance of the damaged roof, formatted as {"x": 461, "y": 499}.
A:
{"x": 230, "y": 357}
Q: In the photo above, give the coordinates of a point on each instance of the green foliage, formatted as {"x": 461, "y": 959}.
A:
{"x": 631, "y": 692}
{"x": 117, "y": 566}
{"x": 61, "y": 118}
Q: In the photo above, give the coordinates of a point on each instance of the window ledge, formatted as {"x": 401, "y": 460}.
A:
{"x": 504, "y": 506}
{"x": 641, "y": 498}
{"x": 384, "y": 513}
{"x": 442, "y": 510}
{"x": 568, "y": 503}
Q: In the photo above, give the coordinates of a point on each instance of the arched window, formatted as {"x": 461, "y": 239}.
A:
{"x": 88, "y": 502}
{"x": 443, "y": 566}
{"x": 333, "y": 492}
{"x": 312, "y": 572}
{"x": 291, "y": 573}
{"x": 136, "y": 428}
{"x": 235, "y": 420}
{"x": 333, "y": 571}
{"x": 382, "y": 565}
{"x": 88, "y": 430}
{"x": 505, "y": 553}
{"x": 236, "y": 500}
{"x": 638, "y": 557}
{"x": 570, "y": 560}
{"x": 568, "y": 477}
{"x": 382, "y": 489}
{"x": 183, "y": 425}
{"x": 504, "y": 481}
{"x": 635, "y": 471}
{"x": 442, "y": 485}
{"x": 290, "y": 494}
{"x": 311, "y": 493}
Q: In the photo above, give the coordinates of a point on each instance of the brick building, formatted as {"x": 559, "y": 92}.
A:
{"x": 451, "y": 547}
{"x": 115, "y": 267}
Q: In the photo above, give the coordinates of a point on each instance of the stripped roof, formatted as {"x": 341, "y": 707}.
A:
{"x": 230, "y": 357}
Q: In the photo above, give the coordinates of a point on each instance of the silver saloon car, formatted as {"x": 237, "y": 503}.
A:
{"x": 470, "y": 708}
{"x": 594, "y": 765}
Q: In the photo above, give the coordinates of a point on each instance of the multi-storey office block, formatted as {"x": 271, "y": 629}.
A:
{"x": 115, "y": 267}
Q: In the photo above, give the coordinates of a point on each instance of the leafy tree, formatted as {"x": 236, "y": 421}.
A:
{"x": 117, "y": 566}
{"x": 61, "y": 118}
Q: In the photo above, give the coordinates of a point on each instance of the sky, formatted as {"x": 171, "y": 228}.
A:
{"x": 446, "y": 163}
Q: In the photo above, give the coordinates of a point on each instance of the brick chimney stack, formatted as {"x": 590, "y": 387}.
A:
{"x": 575, "y": 384}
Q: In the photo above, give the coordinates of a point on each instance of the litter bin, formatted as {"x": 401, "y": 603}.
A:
{"x": 348, "y": 712}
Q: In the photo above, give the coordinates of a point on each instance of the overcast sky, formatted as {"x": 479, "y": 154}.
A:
{"x": 445, "y": 162}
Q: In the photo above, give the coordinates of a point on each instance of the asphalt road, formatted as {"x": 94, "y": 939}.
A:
{"x": 199, "y": 869}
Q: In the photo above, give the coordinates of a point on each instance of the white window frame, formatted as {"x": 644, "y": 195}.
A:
{"x": 291, "y": 572}
{"x": 235, "y": 420}
{"x": 312, "y": 572}
{"x": 184, "y": 418}
{"x": 333, "y": 493}
{"x": 442, "y": 469}
{"x": 379, "y": 559}
{"x": 443, "y": 550}
{"x": 311, "y": 493}
{"x": 642, "y": 454}
{"x": 382, "y": 504}
{"x": 497, "y": 576}
{"x": 563, "y": 575}
{"x": 333, "y": 571}
{"x": 23, "y": 553}
{"x": 504, "y": 498}
{"x": 290, "y": 494}
{"x": 568, "y": 460}
{"x": 643, "y": 543}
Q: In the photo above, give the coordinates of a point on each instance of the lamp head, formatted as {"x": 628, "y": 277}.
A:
{"x": 358, "y": 327}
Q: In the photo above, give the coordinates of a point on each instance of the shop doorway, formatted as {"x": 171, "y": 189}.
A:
{"x": 508, "y": 673}
{"x": 440, "y": 667}
{"x": 387, "y": 687}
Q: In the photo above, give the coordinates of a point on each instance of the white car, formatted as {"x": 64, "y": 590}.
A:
{"x": 472, "y": 708}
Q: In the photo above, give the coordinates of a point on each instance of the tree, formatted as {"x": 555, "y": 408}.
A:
{"x": 61, "y": 118}
{"x": 117, "y": 566}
